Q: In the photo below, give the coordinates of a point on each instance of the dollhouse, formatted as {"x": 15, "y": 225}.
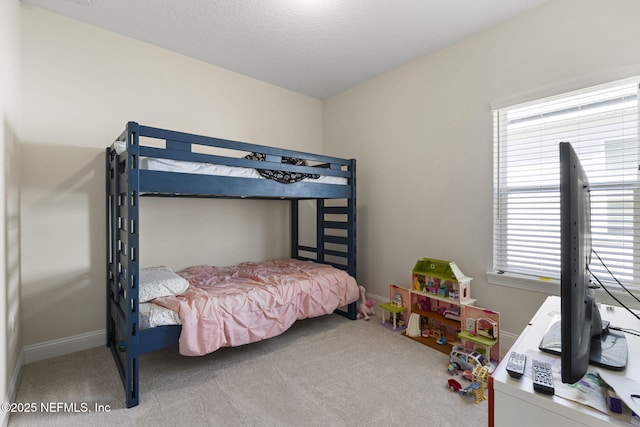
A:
{"x": 438, "y": 292}
{"x": 440, "y": 311}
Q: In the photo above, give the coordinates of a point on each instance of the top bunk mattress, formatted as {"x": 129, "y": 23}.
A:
{"x": 198, "y": 168}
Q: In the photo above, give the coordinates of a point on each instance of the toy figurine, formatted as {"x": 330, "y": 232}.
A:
{"x": 366, "y": 306}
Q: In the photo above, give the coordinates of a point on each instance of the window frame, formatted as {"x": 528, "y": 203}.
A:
{"x": 544, "y": 284}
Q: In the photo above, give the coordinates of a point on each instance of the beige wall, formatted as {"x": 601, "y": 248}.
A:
{"x": 81, "y": 84}
{"x": 422, "y": 135}
{"x": 10, "y": 328}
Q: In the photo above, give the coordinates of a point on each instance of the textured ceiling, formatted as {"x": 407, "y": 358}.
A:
{"x": 315, "y": 47}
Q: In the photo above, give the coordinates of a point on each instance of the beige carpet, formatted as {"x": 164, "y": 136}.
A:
{"x": 326, "y": 371}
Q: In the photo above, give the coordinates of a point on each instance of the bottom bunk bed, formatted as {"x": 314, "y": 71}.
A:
{"x": 205, "y": 308}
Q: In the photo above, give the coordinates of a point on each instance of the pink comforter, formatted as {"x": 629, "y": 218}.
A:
{"x": 232, "y": 306}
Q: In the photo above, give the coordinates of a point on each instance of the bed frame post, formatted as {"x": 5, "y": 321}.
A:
{"x": 295, "y": 242}
{"x": 132, "y": 341}
{"x": 320, "y": 229}
{"x": 110, "y": 236}
{"x": 351, "y": 234}
{"x": 351, "y": 215}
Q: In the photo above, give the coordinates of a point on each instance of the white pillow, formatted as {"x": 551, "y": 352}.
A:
{"x": 158, "y": 282}
{"x": 120, "y": 146}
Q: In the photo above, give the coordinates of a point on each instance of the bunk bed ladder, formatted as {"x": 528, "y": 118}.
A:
{"x": 336, "y": 240}
{"x": 335, "y": 235}
{"x": 122, "y": 261}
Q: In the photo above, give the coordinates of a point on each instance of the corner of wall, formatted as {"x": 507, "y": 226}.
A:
{"x": 12, "y": 389}
{"x": 11, "y": 355}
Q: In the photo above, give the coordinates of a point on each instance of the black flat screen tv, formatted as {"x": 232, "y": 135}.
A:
{"x": 580, "y": 336}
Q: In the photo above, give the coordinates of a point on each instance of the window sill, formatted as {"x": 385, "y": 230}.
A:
{"x": 552, "y": 287}
{"x": 514, "y": 281}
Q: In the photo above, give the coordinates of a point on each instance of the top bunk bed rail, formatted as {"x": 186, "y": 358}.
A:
{"x": 152, "y": 153}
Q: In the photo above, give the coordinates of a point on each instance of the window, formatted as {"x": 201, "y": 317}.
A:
{"x": 602, "y": 124}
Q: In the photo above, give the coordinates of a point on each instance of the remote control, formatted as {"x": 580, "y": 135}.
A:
{"x": 542, "y": 377}
{"x": 515, "y": 366}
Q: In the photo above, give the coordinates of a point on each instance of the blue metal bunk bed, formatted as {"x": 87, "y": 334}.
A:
{"x": 127, "y": 179}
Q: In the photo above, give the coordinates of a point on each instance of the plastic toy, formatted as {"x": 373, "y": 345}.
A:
{"x": 440, "y": 278}
{"x": 454, "y": 385}
{"x": 397, "y": 300}
{"x": 413, "y": 329}
{"x": 468, "y": 359}
{"x": 396, "y": 320}
{"x": 443, "y": 290}
{"x": 481, "y": 331}
{"x": 438, "y": 290}
{"x": 470, "y": 389}
{"x": 470, "y": 325}
{"x": 423, "y": 303}
{"x": 479, "y": 378}
{"x": 450, "y": 312}
{"x": 398, "y": 305}
{"x": 476, "y": 388}
{"x": 366, "y": 306}
{"x": 487, "y": 328}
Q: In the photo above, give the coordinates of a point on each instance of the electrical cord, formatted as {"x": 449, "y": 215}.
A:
{"x": 611, "y": 274}
{"x": 613, "y": 296}
{"x": 625, "y": 330}
{"x": 617, "y": 281}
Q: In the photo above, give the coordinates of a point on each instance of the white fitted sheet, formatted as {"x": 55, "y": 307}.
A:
{"x": 152, "y": 315}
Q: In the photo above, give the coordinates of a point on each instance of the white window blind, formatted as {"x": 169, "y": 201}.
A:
{"x": 602, "y": 124}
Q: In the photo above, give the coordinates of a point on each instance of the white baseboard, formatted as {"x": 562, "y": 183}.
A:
{"x": 16, "y": 377}
{"x": 62, "y": 346}
{"x": 377, "y": 298}
{"x": 12, "y": 390}
{"x": 35, "y": 352}
{"x": 507, "y": 339}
